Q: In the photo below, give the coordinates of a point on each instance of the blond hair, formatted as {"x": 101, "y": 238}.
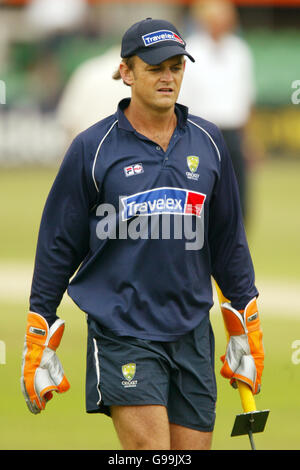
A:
{"x": 129, "y": 61}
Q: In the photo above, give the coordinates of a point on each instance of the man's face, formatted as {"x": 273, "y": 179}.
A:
{"x": 156, "y": 86}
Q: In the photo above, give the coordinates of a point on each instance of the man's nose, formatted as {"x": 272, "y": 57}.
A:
{"x": 166, "y": 75}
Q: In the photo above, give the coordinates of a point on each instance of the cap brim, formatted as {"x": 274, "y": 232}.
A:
{"x": 156, "y": 56}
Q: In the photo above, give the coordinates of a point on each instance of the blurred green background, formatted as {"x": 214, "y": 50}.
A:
{"x": 26, "y": 175}
{"x": 273, "y": 239}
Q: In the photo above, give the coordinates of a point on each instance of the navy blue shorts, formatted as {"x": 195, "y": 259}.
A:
{"x": 180, "y": 375}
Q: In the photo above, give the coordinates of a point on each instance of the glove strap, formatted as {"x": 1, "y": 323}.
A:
{"x": 239, "y": 322}
{"x": 39, "y": 333}
{"x": 37, "y": 330}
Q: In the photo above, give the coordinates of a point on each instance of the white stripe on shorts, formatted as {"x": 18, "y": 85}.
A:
{"x": 97, "y": 365}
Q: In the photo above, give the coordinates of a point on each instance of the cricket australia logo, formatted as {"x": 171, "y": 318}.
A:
{"x": 192, "y": 163}
{"x": 128, "y": 371}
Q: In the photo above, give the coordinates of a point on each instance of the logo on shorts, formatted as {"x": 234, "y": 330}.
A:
{"x": 192, "y": 163}
{"x": 128, "y": 371}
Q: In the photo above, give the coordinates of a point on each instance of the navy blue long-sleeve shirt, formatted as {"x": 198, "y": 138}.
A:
{"x": 115, "y": 211}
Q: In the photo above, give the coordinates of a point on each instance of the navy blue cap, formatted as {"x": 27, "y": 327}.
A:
{"x": 153, "y": 41}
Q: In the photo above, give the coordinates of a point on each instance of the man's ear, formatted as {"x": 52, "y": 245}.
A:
{"x": 126, "y": 74}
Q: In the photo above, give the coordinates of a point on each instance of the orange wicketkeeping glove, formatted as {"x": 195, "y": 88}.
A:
{"x": 244, "y": 357}
{"x": 42, "y": 372}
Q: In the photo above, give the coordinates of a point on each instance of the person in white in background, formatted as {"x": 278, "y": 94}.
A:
{"x": 220, "y": 87}
{"x": 91, "y": 94}
{"x": 48, "y": 16}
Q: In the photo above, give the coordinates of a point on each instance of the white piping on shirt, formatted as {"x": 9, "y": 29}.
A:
{"x": 197, "y": 125}
{"x": 97, "y": 153}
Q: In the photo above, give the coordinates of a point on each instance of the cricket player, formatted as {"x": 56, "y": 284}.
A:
{"x": 143, "y": 212}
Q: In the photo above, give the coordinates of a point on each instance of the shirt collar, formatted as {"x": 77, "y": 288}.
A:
{"x": 123, "y": 123}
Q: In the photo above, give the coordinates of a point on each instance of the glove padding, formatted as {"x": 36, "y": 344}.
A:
{"x": 244, "y": 357}
{"x": 42, "y": 372}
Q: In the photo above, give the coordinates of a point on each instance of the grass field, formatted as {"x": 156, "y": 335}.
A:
{"x": 273, "y": 237}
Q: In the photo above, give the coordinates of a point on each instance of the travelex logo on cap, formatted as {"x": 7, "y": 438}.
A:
{"x": 159, "y": 36}
{"x": 153, "y": 41}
